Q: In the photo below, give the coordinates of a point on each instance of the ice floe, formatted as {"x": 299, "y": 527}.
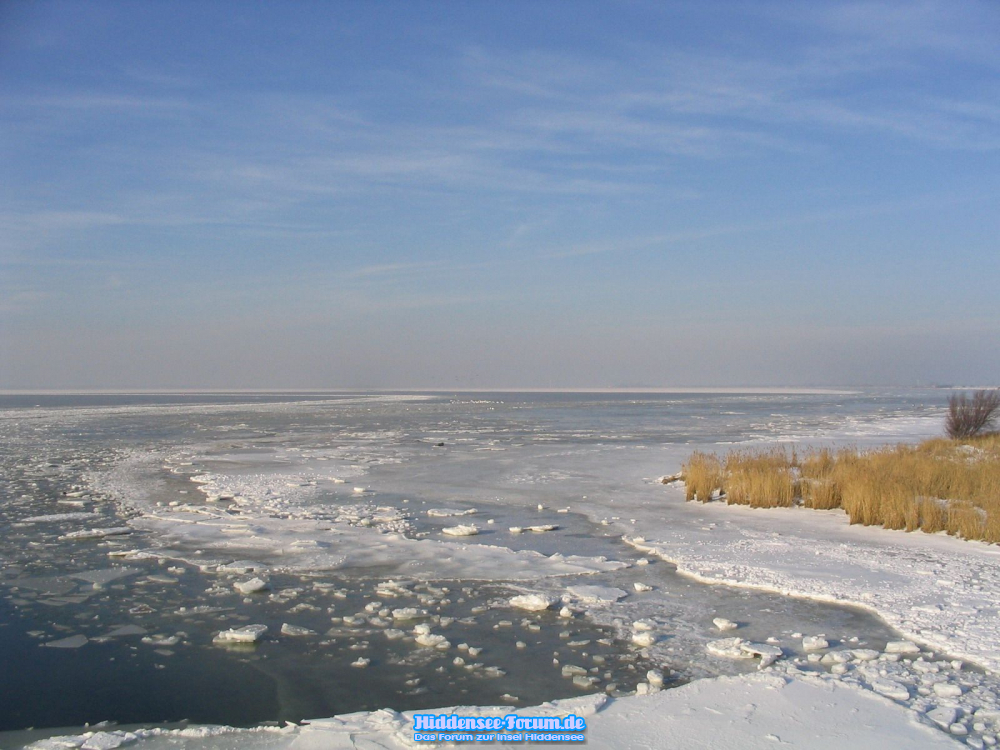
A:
{"x": 461, "y": 530}
{"x": 532, "y": 602}
{"x": 245, "y": 634}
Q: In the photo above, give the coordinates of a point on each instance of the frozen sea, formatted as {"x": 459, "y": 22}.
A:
{"x": 388, "y": 534}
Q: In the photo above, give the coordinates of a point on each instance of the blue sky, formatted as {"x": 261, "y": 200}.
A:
{"x": 472, "y": 194}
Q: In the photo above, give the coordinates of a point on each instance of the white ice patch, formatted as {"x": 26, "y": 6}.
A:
{"x": 450, "y": 512}
{"x": 536, "y": 529}
{"x": 253, "y": 586}
{"x": 738, "y": 648}
{"x": 245, "y": 634}
{"x": 461, "y": 530}
{"x": 295, "y": 630}
{"x": 532, "y": 602}
{"x": 73, "y": 641}
{"x": 96, "y": 533}
{"x": 902, "y": 647}
{"x": 56, "y": 517}
{"x": 596, "y": 594}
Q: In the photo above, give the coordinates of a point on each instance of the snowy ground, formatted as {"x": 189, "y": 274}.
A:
{"x": 758, "y": 711}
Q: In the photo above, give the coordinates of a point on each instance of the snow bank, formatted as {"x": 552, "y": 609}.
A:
{"x": 749, "y": 712}
{"x": 937, "y": 590}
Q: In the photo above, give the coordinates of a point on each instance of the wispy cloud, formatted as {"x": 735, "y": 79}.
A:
{"x": 100, "y": 101}
{"x": 44, "y": 220}
{"x": 25, "y": 301}
{"x": 391, "y": 269}
{"x": 667, "y": 239}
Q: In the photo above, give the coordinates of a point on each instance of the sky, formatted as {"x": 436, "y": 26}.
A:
{"x": 498, "y": 194}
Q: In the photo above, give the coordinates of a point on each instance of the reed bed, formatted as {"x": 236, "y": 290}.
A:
{"x": 702, "y": 476}
{"x": 938, "y": 485}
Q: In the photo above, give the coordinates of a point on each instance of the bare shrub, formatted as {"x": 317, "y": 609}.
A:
{"x": 968, "y": 417}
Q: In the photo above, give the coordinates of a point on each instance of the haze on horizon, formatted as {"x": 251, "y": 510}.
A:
{"x": 523, "y": 194}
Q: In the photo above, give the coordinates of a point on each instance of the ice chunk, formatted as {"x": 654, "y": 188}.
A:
{"x": 289, "y": 629}
{"x": 461, "y": 530}
{"x": 768, "y": 654}
{"x": 160, "y": 578}
{"x": 943, "y": 716}
{"x": 730, "y": 648}
{"x": 642, "y": 586}
{"x": 433, "y": 640}
{"x": 242, "y": 567}
{"x": 537, "y": 529}
{"x": 56, "y": 517}
{"x": 532, "y": 602}
{"x": 815, "y": 643}
{"x": 408, "y": 613}
{"x": 96, "y": 533}
{"x": 947, "y": 689}
{"x": 74, "y": 641}
{"x": 723, "y": 624}
{"x": 361, "y": 663}
{"x": 865, "y": 654}
{"x": 106, "y": 575}
{"x": 449, "y": 512}
{"x": 45, "y": 584}
{"x": 127, "y": 630}
{"x": 891, "y": 689}
{"x": 836, "y": 657}
{"x": 161, "y": 640}
{"x": 253, "y": 586}
{"x": 643, "y": 639}
{"x": 655, "y": 678}
{"x": 245, "y": 634}
{"x": 597, "y": 594}
{"x": 108, "y": 740}
{"x": 902, "y": 647}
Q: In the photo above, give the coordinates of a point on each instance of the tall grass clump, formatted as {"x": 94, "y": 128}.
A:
{"x": 702, "y": 476}
{"x": 760, "y": 479}
{"x": 818, "y": 487}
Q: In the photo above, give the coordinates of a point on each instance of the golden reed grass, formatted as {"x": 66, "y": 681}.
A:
{"x": 938, "y": 485}
{"x": 702, "y": 476}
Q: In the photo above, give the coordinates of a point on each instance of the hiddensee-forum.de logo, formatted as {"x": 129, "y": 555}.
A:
{"x": 509, "y": 728}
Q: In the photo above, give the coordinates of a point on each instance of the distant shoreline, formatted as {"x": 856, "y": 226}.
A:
{"x": 794, "y": 390}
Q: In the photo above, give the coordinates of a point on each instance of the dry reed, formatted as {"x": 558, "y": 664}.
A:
{"x": 938, "y": 485}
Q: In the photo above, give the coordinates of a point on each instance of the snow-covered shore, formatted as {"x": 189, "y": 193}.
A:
{"x": 937, "y": 590}
{"x": 755, "y": 711}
